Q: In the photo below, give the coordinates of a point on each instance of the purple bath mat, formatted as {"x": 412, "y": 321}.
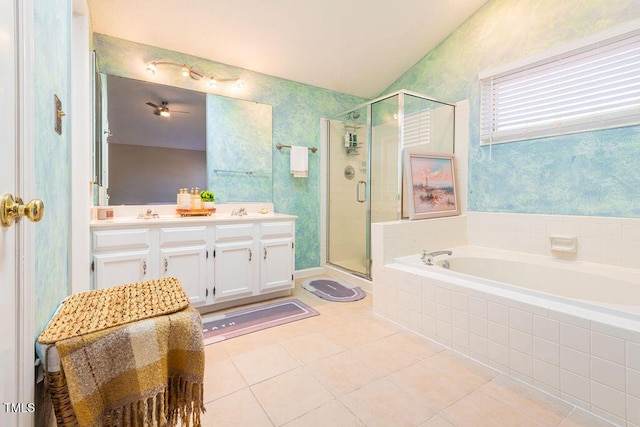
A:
{"x": 240, "y": 322}
{"x": 333, "y": 289}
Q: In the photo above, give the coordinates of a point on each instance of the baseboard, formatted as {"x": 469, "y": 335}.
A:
{"x": 309, "y": 272}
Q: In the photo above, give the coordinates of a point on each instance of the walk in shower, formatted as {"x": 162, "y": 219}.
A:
{"x": 364, "y": 168}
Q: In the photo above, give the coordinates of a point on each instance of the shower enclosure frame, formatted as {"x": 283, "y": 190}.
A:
{"x": 326, "y": 182}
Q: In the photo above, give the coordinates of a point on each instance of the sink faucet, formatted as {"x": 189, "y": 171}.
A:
{"x": 427, "y": 257}
{"x": 239, "y": 212}
{"x": 148, "y": 215}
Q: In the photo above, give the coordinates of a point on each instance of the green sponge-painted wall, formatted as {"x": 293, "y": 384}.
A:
{"x": 591, "y": 173}
{"x": 52, "y": 165}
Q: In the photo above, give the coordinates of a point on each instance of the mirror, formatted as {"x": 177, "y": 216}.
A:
{"x": 162, "y": 138}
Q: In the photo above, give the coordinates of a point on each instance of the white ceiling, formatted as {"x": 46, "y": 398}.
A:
{"x": 359, "y": 47}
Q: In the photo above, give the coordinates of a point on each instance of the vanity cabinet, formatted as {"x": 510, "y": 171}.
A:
{"x": 121, "y": 256}
{"x": 183, "y": 254}
{"x": 277, "y": 256}
{"x": 234, "y": 265}
{"x": 218, "y": 262}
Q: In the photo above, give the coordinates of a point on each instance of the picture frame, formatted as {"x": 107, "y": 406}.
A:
{"x": 431, "y": 185}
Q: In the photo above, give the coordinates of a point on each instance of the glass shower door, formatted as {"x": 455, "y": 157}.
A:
{"x": 348, "y": 194}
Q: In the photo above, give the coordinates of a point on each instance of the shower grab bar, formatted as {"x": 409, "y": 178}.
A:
{"x": 364, "y": 199}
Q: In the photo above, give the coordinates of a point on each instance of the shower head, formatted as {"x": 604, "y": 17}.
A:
{"x": 353, "y": 115}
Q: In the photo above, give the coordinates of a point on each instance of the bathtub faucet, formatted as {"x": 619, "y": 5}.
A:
{"x": 427, "y": 257}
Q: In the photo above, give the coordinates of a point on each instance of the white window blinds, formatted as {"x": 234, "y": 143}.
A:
{"x": 417, "y": 128}
{"x": 592, "y": 87}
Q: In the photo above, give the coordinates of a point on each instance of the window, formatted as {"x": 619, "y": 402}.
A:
{"x": 595, "y": 86}
{"x": 417, "y": 128}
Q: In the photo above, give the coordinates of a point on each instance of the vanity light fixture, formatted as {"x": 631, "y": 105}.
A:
{"x": 195, "y": 74}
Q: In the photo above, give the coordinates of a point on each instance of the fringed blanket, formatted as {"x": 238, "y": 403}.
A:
{"x": 147, "y": 373}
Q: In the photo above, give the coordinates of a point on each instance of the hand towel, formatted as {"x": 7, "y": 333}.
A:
{"x": 299, "y": 162}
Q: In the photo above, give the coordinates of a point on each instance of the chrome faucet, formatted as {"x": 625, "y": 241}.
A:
{"x": 427, "y": 257}
{"x": 239, "y": 212}
{"x": 148, "y": 215}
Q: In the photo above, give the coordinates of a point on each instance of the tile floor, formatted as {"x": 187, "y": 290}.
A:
{"x": 348, "y": 367}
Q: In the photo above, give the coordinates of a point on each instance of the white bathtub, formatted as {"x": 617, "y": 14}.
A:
{"x": 569, "y": 328}
{"x": 610, "y": 288}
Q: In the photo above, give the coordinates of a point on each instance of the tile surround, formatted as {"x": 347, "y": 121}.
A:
{"x": 561, "y": 353}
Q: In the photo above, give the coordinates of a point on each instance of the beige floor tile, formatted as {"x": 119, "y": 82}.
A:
{"x": 436, "y": 421}
{"x": 535, "y": 404}
{"x": 479, "y": 410}
{"x": 432, "y": 386}
{"x": 353, "y": 333}
{"x": 456, "y": 365}
{"x": 343, "y": 373}
{"x": 264, "y": 363}
{"x": 394, "y": 352}
{"x": 236, "y": 410}
{"x": 290, "y": 395}
{"x": 332, "y": 414}
{"x": 246, "y": 343}
{"x": 382, "y": 403}
{"x": 220, "y": 379}
{"x": 311, "y": 347}
{"x": 215, "y": 352}
{"x": 580, "y": 418}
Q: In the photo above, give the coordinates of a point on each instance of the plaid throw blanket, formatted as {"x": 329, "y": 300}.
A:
{"x": 147, "y": 373}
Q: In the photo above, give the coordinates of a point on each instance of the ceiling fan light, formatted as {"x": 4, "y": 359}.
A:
{"x": 164, "y": 113}
{"x": 151, "y": 68}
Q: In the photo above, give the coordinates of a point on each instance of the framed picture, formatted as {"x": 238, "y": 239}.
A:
{"x": 431, "y": 185}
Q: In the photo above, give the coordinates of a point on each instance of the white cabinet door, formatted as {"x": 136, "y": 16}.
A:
{"x": 188, "y": 265}
{"x": 122, "y": 256}
{"x": 234, "y": 270}
{"x": 183, "y": 255}
{"x": 120, "y": 268}
{"x": 276, "y": 264}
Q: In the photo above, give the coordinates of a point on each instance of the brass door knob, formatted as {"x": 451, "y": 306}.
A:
{"x": 13, "y": 209}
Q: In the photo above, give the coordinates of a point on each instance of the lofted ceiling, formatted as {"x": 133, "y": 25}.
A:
{"x": 358, "y": 47}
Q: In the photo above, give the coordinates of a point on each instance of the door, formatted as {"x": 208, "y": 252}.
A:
{"x": 234, "y": 270}
{"x": 120, "y": 268}
{"x": 189, "y": 265}
{"x": 347, "y": 195}
{"x": 276, "y": 264}
{"x": 16, "y": 342}
{"x": 9, "y": 236}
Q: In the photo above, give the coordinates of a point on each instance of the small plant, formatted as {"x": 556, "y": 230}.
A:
{"x": 207, "y": 196}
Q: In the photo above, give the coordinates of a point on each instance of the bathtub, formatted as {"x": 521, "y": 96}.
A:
{"x": 611, "y": 289}
{"x": 569, "y": 328}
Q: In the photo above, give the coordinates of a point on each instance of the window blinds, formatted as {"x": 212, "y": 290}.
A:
{"x": 593, "y": 87}
{"x": 417, "y": 128}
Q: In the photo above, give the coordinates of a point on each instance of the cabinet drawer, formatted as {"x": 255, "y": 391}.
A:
{"x": 275, "y": 229}
{"x": 234, "y": 231}
{"x": 180, "y": 235}
{"x": 114, "y": 239}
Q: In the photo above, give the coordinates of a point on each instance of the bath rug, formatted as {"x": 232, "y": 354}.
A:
{"x": 333, "y": 290}
{"x": 241, "y": 322}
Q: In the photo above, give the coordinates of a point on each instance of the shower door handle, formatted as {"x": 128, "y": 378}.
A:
{"x": 358, "y": 186}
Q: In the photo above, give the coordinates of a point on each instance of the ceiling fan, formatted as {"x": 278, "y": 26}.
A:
{"x": 163, "y": 109}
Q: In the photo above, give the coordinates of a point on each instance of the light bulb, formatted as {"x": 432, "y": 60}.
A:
{"x": 151, "y": 68}
{"x": 185, "y": 71}
{"x": 239, "y": 84}
{"x": 164, "y": 113}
